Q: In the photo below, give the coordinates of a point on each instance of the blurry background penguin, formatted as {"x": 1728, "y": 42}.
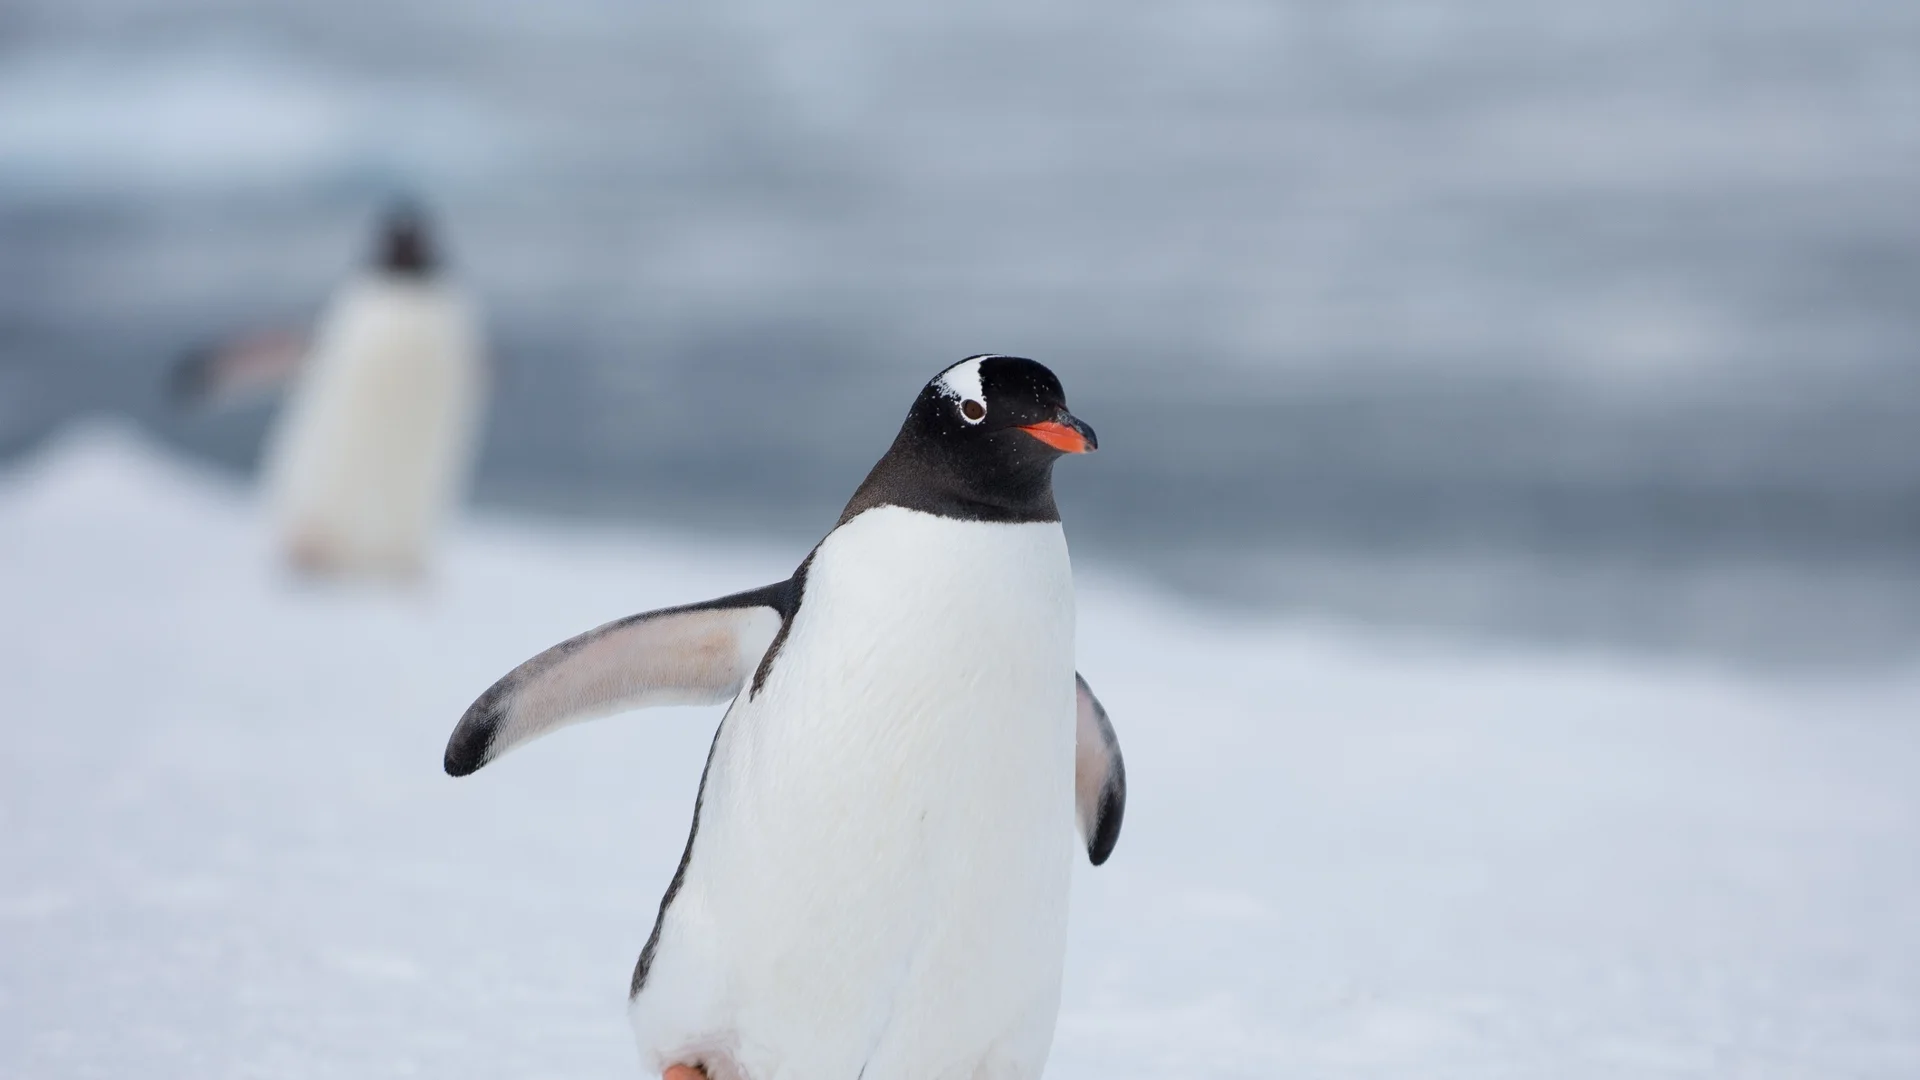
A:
{"x": 376, "y": 440}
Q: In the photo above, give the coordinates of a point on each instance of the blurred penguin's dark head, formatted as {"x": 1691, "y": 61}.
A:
{"x": 979, "y": 443}
{"x": 405, "y": 247}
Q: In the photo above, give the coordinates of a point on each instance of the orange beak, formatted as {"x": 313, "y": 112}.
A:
{"x": 1065, "y": 434}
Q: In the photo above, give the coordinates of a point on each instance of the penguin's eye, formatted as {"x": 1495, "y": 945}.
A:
{"x": 972, "y": 411}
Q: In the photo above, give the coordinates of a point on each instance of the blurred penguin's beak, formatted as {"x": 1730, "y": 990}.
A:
{"x": 1065, "y": 433}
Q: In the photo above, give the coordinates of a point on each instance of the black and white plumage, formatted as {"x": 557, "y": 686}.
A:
{"x": 376, "y": 439}
{"x": 876, "y": 879}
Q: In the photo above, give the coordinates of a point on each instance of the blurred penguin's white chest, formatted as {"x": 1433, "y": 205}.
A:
{"x": 879, "y": 876}
{"x": 377, "y": 437}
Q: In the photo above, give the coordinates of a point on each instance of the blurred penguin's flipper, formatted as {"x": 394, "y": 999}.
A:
{"x": 1099, "y": 776}
{"x": 251, "y": 365}
{"x": 701, "y": 654}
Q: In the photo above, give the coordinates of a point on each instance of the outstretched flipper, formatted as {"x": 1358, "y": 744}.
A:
{"x": 1099, "y": 776}
{"x": 700, "y": 654}
{"x": 247, "y": 366}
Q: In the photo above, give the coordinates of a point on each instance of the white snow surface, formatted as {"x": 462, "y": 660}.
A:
{"x": 227, "y": 848}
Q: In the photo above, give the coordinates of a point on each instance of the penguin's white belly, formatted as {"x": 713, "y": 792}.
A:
{"x": 878, "y": 882}
{"x": 378, "y": 436}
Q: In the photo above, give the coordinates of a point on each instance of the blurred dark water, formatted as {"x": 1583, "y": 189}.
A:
{"x": 1536, "y": 319}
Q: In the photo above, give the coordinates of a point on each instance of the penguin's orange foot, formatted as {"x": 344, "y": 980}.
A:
{"x": 682, "y": 1072}
{"x": 310, "y": 555}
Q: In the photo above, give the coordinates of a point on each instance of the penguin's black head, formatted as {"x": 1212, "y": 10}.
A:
{"x": 405, "y": 248}
{"x": 978, "y": 404}
{"x": 979, "y": 444}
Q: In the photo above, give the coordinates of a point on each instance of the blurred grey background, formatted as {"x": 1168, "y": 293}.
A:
{"x": 1518, "y": 319}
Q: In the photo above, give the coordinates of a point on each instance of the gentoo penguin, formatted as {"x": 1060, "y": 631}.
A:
{"x": 377, "y": 438}
{"x": 875, "y": 883}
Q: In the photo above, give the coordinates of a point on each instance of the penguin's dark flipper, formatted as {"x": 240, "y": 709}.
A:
{"x": 246, "y": 366}
{"x": 1099, "y": 776}
{"x": 700, "y": 654}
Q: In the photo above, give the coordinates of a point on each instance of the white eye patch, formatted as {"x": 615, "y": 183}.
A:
{"x": 961, "y": 382}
